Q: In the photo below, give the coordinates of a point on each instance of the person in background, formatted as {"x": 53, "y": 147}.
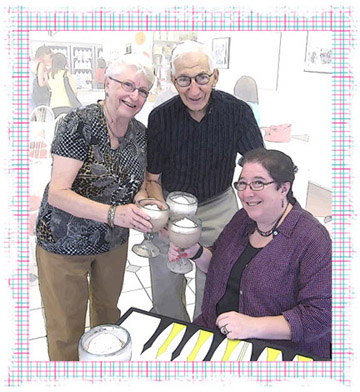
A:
{"x": 99, "y": 78}
{"x": 193, "y": 141}
{"x": 39, "y": 67}
{"x": 82, "y": 229}
{"x": 60, "y": 102}
{"x": 269, "y": 272}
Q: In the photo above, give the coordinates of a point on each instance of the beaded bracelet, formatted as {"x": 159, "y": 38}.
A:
{"x": 198, "y": 253}
{"x": 111, "y": 216}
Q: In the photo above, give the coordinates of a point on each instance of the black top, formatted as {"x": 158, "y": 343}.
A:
{"x": 230, "y": 300}
{"x": 199, "y": 157}
{"x": 109, "y": 176}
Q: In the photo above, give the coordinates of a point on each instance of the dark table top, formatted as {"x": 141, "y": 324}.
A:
{"x": 155, "y": 337}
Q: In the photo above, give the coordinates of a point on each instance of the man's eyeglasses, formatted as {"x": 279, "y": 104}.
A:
{"x": 254, "y": 185}
{"x": 201, "y": 79}
{"x": 130, "y": 87}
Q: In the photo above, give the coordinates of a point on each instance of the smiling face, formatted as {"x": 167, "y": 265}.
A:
{"x": 264, "y": 207}
{"x": 123, "y": 104}
{"x": 195, "y": 97}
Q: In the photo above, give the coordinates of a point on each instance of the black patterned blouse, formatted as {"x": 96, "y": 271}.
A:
{"x": 107, "y": 176}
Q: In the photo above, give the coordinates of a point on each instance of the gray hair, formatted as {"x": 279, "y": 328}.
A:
{"x": 191, "y": 46}
{"x": 139, "y": 61}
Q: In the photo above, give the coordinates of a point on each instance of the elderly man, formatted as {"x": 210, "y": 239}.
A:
{"x": 193, "y": 140}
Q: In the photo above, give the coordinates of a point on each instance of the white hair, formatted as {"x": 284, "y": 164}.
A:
{"x": 141, "y": 62}
{"x": 191, "y": 46}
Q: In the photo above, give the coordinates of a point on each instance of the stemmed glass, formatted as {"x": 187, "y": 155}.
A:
{"x": 159, "y": 216}
{"x": 182, "y": 204}
{"x": 184, "y": 232}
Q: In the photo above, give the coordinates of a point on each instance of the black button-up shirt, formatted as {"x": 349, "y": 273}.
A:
{"x": 199, "y": 157}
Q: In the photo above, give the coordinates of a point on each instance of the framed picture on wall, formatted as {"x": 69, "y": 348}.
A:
{"x": 318, "y": 56}
{"x": 221, "y": 52}
{"x": 128, "y": 48}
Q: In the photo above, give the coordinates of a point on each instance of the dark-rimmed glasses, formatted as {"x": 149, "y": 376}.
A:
{"x": 201, "y": 79}
{"x": 254, "y": 185}
{"x": 129, "y": 87}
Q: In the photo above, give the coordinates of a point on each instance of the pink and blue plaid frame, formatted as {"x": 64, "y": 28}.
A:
{"x": 20, "y": 21}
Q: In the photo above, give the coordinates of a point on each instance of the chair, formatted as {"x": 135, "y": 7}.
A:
{"x": 42, "y": 114}
{"x": 58, "y": 120}
{"x": 38, "y": 149}
{"x": 41, "y": 132}
{"x": 246, "y": 90}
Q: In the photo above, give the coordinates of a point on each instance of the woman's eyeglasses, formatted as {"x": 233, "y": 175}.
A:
{"x": 129, "y": 87}
{"x": 254, "y": 185}
{"x": 201, "y": 79}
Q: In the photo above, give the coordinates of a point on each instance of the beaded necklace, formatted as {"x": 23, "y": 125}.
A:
{"x": 106, "y": 115}
{"x": 273, "y": 229}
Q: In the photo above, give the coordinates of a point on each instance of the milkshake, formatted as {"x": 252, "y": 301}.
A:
{"x": 105, "y": 343}
{"x": 184, "y": 232}
{"x": 182, "y": 204}
{"x": 158, "y": 216}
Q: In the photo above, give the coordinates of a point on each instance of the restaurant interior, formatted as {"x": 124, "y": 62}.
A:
{"x": 293, "y": 91}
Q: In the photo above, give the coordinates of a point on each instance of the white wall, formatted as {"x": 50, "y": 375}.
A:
{"x": 301, "y": 98}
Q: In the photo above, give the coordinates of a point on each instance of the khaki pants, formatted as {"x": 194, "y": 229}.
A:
{"x": 65, "y": 291}
{"x": 168, "y": 288}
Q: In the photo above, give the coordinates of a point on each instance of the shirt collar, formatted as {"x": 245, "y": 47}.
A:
{"x": 209, "y": 106}
{"x": 288, "y": 226}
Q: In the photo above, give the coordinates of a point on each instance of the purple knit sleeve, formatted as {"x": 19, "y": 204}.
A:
{"x": 311, "y": 318}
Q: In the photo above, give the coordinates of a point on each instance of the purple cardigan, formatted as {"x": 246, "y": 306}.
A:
{"x": 290, "y": 276}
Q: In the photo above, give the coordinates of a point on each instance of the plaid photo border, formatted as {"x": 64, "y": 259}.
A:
{"x": 20, "y": 21}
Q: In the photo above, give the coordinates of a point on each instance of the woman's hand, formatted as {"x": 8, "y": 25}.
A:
{"x": 132, "y": 217}
{"x": 241, "y": 326}
{"x": 174, "y": 251}
{"x": 237, "y": 324}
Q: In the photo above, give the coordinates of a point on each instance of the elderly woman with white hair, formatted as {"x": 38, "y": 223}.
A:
{"x": 82, "y": 230}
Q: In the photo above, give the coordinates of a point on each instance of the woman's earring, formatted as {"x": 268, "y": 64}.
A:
{"x": 282, "y": 203}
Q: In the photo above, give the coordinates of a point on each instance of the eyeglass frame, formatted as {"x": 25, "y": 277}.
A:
{"x": 194, "y": 77}
{"x": 236, "y": 184}
{"x": 142, "y": 92}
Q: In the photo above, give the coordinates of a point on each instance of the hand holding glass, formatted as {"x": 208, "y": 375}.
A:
{"x": 159, "y": 215}
{"x": 184, "y": 232}
{"x": 182, "y": 204}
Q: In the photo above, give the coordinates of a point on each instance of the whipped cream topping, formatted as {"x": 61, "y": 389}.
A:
{"x": 105, "y": 343}
{"x": 154, "y": 207}
{"x": 185, "y": 222}
{"x": 182, "y": 200}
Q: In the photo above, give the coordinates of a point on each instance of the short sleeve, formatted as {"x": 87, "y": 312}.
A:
{"x": 154, "y": 143}
{"x": 70, "y": 140}
{"x": 251, "y": 137}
